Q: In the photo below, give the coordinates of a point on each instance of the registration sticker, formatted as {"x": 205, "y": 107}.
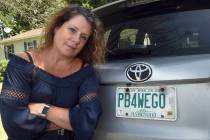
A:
{"x": 156, "y": 103}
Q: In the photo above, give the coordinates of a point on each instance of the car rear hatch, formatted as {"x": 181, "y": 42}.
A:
{"x": 155, "y": 86}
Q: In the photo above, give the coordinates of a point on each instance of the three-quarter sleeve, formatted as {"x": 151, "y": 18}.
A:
{"x": 84, "y": 117}
{"x": 17, "y": 121}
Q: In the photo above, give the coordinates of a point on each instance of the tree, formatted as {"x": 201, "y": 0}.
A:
{"x": 89, "y": 3}
{"x": 23, "y": 15}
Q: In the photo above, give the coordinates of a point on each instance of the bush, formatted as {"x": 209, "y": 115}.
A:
{"x": 3, "y": 65}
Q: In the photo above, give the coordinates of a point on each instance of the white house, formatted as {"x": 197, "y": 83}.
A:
{"x": 20, "y": 42}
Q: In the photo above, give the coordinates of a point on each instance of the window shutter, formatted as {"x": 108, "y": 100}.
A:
{"x": 25, "y": 46}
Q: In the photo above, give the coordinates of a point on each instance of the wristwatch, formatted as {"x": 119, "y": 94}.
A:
{"x": 45, "y": 110}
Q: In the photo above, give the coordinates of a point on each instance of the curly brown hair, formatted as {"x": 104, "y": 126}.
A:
{"x": 94, "y": 50}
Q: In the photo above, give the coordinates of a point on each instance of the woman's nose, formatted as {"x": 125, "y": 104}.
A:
{"x": 76, "y": 38}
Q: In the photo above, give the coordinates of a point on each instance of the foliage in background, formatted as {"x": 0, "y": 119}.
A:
{"x": 3, "y": 65}
{"x": 24, "y": 15}
{"x": 89, "y": 3}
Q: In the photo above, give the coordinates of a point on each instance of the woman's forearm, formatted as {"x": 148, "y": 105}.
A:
{"x": 59, "y": 116}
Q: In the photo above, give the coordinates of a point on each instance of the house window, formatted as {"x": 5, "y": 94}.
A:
{"x": 30, "y": 45}
{"x": 8, "y": 50}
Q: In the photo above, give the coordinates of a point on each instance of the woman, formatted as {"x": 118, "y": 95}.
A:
{"x": 50, "y": 93}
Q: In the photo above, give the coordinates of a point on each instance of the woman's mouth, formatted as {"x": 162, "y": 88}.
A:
{"x": 71, "y": 46}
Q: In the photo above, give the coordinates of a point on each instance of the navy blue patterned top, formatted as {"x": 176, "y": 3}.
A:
{"x": 24, "y": 83}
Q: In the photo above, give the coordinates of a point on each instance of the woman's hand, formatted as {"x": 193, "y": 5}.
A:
{"x": 52, "y": 126}
{"x": 36, "y": 108}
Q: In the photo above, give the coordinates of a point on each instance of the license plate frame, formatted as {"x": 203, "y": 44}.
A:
{"x": 154, "y": 103}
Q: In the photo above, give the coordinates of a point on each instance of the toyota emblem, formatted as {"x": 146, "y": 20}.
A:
{"x": 138, "y": 72}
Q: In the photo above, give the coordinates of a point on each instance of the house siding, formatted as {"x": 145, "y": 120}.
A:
{"x": 18, "y": 45}
{"x": 18, "y": 42}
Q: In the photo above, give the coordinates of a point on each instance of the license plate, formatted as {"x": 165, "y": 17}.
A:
{"x": 156, "y": 103}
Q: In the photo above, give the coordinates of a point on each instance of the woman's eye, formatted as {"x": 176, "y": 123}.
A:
{"x": 84, "y": 38}
{"x": 72, "y": 30}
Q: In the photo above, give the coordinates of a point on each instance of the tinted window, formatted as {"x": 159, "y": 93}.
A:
{"x": 180, "y": 33}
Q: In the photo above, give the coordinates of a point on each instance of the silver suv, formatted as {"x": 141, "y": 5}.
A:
{"x": 156, "y": 82}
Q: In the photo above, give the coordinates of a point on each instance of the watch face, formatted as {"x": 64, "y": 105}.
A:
{"x": 45, "y": 110}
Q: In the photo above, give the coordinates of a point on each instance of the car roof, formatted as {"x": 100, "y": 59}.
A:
{"x": 122, "y": 10}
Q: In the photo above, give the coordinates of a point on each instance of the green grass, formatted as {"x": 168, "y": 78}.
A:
{"x": 3, "y": 135}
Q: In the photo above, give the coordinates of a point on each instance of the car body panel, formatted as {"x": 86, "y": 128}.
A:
{"x": 167, "y": 69}
{"x": 187, "y": 72}
{"x": 193, "y": 116}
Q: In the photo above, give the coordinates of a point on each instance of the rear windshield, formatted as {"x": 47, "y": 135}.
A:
{"x": 180, "y": 33}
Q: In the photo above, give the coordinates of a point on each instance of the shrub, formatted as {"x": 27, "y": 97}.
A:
{"x": 3, "y": 65}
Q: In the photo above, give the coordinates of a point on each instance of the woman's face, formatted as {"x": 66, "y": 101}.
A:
{"x": 72, "y": 36}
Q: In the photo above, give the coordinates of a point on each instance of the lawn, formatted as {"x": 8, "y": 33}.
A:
{"x": 3, "y": 136}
